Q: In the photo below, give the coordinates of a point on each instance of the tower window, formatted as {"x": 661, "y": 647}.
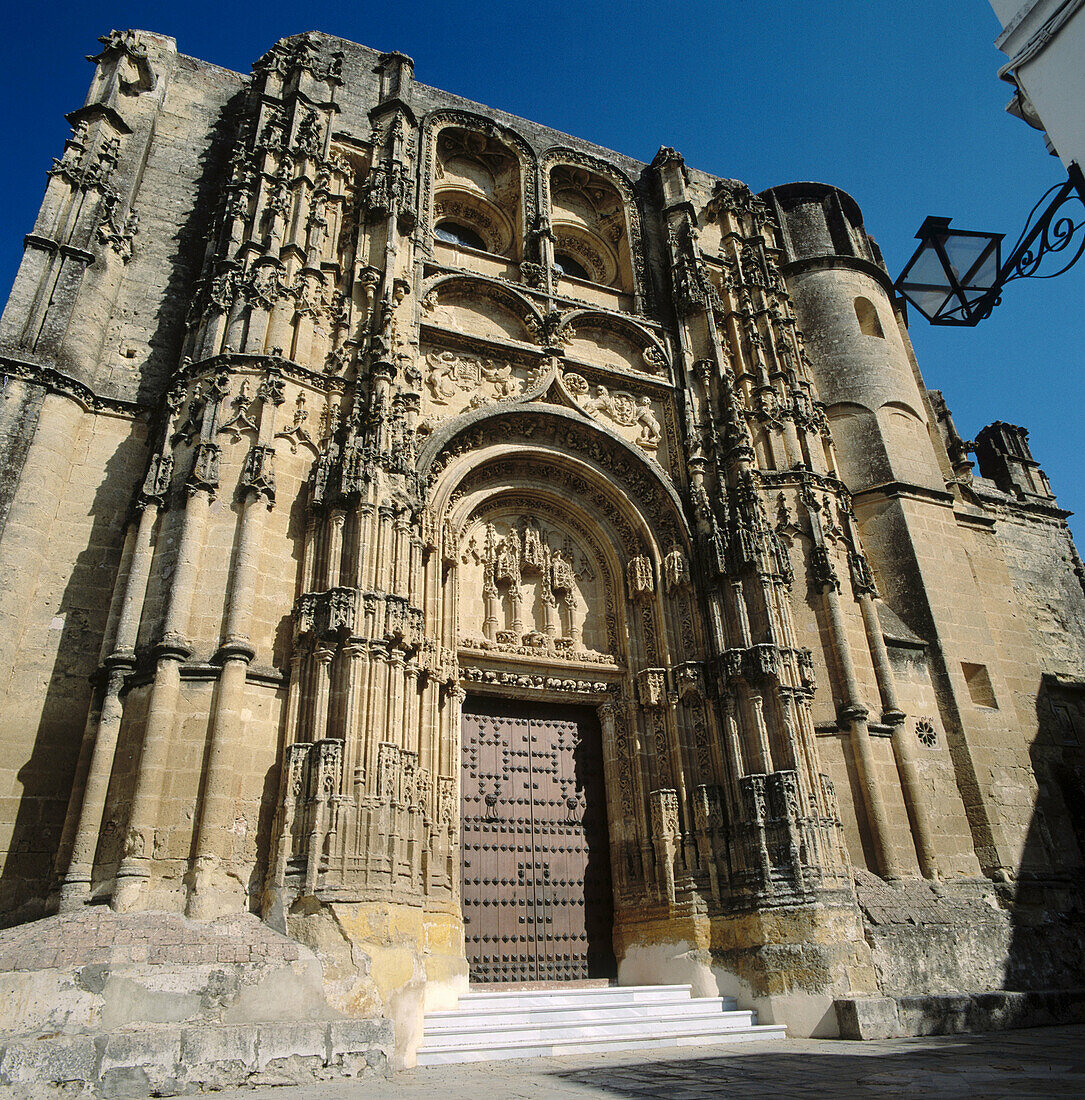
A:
{"x": 571, "y": 267}
{"x": 869, "y": 325}
{"x": 454, "y": 233}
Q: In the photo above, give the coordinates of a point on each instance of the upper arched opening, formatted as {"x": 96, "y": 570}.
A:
{"x": 591, "y": 237}
{"x": 867, "y": 316}
{"x": 477, "y": 199}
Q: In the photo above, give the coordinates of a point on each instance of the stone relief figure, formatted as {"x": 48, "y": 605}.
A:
{"x": 442, "y": 376}
{"x": 451, "y": 375}
{"x": 539, "y": 591}
{"x": 619, "y": 407}
{"x": 499, "y": 375}
{"x": 650, "y": 432}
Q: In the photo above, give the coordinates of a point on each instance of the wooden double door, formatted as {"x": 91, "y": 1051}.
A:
{"x": 537, "y": 901}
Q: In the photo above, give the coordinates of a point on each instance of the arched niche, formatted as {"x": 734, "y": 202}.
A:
{"x": 551, "y": 452}
{"x": 908, "y": 443}
{"x": 867, "y": 316}
{"x": 478, "y": 306}
{"x": 604, "y": 339}
{"x": 594, "y": 219}
{"x": 480, "y": 176}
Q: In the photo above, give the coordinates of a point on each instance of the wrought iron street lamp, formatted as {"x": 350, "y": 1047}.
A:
{"x": 956, "y": 276}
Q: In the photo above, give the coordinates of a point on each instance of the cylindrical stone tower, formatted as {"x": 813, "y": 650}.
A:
{"x": 861, "y": 359}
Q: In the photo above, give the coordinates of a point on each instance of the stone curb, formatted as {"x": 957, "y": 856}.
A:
{"x": 893, "y": 1017}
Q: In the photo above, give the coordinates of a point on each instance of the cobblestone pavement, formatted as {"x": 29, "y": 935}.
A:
{"x": 1039, "y": 1062}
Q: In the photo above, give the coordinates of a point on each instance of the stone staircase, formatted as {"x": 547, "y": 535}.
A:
{"x": 533, "y": 1023}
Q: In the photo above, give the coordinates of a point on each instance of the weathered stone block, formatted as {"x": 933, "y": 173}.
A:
{"x": 56, "y": 1060}
{"x": 867, "y": 1017}
{"x": 214, "y": 1046}
{"x": 278, "y": 1043}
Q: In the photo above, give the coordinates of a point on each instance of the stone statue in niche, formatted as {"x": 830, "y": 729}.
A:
{"x": 541, "y": 594}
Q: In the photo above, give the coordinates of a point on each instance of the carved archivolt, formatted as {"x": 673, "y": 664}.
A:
{"x": 563, "y": 433}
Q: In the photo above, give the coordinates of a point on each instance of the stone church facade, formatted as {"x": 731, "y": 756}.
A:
{"x": 485, "y": 555}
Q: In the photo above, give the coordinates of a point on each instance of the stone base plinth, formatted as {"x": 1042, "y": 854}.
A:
{"x": 112, "y": 1003}
{"x": 789, "y": 962}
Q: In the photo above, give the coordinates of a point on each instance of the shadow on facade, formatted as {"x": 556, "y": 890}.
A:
{"x": 48, "y": 772}
{"x": 1047, "y": 942}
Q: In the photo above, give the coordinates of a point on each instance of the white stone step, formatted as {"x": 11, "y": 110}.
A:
{"x": 441, "y": 1056}
{"x": 489, "y": 1026}
{"x": 615, "y": 994}
{"x": 566, "y": 1029}
{"x": 589, "y": 1012}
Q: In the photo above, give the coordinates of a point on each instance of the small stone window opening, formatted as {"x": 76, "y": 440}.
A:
{"x": 461, "y": 235}
{"x": 925, "y": 731}
{"x": 573, "y": 268}
{"x": 979, "y": 685}
{"x": 869, "y": 325}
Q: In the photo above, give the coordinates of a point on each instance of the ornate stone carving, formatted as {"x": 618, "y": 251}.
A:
{"x": 298, "y": 432}
{"x": 665, "y": 819}
{"x": 449, "y": 374}
{"x": 652, "y": 687}
{"x": 641, "y": 578}
{"x": 676, "y": 571}
{"x": 542, "y": 592}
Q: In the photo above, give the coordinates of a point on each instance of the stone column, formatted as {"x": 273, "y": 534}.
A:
{"x": 903, "y": 744}
{"x": 170, "y": 653}
{"x": 135, "y": 867}
{"x": 75, "y": 885}
{"x": 855, "y": 715}
{"x": 205, "y": 897}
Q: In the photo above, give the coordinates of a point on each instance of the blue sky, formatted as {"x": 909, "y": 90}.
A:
{"x": 898, "y": 104}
